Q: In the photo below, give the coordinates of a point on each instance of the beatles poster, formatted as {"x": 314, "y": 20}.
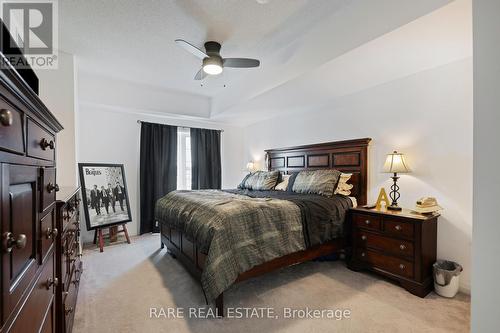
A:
{"x": 105, "y": 196}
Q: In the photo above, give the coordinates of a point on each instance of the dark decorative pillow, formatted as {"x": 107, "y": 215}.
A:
{"x": 261, "y": 180}
{"x": 242, "y": 184}
{"x": 321, "y": 182}
{"x": 291, "y": 181}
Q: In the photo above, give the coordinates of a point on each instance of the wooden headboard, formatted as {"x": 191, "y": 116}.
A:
{"x": 347, "y": 156}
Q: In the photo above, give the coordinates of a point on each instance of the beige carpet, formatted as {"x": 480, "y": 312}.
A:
{"x": 119, "y": 287}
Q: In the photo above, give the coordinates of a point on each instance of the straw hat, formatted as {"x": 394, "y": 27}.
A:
{"x": 427, "y": 205}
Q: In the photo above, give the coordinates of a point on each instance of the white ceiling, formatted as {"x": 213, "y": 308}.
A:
{"x": 134, "y": 41}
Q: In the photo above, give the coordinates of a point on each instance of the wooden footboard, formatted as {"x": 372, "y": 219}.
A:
{"x": 188, "y": 254}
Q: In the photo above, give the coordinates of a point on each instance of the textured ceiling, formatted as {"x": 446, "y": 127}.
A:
{"x": 134, "y": 41}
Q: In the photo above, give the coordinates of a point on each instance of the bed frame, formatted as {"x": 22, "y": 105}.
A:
{"x": 347, "y": 156}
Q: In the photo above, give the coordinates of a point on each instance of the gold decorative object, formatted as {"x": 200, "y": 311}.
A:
{"x": 382, "y": 197}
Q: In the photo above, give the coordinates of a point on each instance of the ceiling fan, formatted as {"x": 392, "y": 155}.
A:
{"x": 213, "y": 63}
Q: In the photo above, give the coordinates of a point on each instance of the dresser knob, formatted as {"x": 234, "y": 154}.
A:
{"x": 402, "y": 247}
{"x": 10, "y": 242}
{"x": 367, "y": 222}
{"x": 402, "y": 266}
{"x": 363, "y": 254}
{"x": 44, "y": 144}
{"x": 52, "y": 282}
{"x": 398, "y": 227}
{"x": 6, "y": 117}
{"x": 49, "y": 233}
{"x": 52, "y": 187}
{"x": 363, "y": 237}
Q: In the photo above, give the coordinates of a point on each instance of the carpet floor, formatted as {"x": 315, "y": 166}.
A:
{"x": 129, "y": 288}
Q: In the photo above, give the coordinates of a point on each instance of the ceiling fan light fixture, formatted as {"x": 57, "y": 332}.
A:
{"x": 212, "y": 65}
{"x": 212, "y": 69}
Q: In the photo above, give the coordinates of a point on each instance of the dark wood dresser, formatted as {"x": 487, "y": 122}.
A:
{"x": 69, "y": 266}
{"x": 400, "y": 245}
{"x": 33, "y": 228}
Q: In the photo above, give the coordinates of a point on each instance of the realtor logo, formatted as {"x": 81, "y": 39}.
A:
{"x": 33, "y": 27}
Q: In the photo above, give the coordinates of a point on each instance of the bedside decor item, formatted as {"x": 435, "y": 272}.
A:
{"x": 427, "y": 205}
{"x": 382, "y": 197}
{"x": 395, "y": 163}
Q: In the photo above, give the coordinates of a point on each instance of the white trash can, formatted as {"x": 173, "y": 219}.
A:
{"x": 446, "y": 277}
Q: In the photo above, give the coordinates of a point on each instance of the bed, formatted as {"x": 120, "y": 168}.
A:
{"x": 277, "y": 228}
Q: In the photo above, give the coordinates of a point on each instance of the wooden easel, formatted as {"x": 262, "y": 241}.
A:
{"x": 112, "y": 234}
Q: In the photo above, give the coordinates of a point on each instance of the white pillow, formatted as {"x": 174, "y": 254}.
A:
{"x": 342, "y": 187}
{"x": 282, "y": 186}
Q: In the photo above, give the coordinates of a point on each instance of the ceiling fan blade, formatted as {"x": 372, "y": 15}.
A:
{"x": 191, "y": 48}
{"x": 240, "y": 62}
{"x": 200, "y": 75}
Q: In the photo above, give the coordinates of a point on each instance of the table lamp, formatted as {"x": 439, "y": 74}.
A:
{"x": 395, "y": 163}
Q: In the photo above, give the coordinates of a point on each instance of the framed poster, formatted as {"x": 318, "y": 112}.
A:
{"x": 104, "y": 194}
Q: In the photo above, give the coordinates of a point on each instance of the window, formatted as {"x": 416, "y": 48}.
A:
{"x": 183, "y": 158}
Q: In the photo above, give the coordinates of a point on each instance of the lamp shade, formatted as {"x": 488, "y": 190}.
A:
{"x": 250, "y": 166}
{"x": 396, "y": 163}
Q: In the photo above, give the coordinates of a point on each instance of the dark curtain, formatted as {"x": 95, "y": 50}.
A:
{"x": 205, "y": 159}
{"x": 158, "y": 170}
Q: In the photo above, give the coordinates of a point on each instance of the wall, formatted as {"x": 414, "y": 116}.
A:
{"x": 112, "y": 135}
{"x": 428, "y": 116}
{"x": 486, "y": 247}
{"x": 58, "y": 92}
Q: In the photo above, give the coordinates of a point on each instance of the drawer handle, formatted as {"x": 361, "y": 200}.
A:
{"x": 367, "y": 222}
{"x": 363, "y": 254}
{"x": 402, "y": 247}
{"x": 398, "y": 227}
{"x": 52, "y": 282}
{"x": 6, "y": 117}
{"x": 44, "y": 144}
{"x": 52, "y": 187}
{"x": 49, "y": 233}
{"x": 67, "y": 311}
{"x": 363, "y": 237}
{"x": 9, "y": 242}
{"x": 402, "y": 267}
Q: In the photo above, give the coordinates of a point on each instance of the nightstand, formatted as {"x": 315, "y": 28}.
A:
{"x": 400, "y": 245}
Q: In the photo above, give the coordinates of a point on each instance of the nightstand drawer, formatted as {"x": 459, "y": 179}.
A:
{"x": 387, "y": 263}
{"x": 398, "y": 228}
{"x": 367, "y": 221}
{"x": 386, "y": 244}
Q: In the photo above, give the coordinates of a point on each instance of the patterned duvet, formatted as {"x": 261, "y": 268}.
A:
{"x": 240, "y": 229}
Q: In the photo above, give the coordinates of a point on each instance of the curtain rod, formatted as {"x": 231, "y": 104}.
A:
{"x": 140, "y": 121}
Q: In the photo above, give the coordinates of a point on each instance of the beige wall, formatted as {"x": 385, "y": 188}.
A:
{"x": 57, "y": 91}
{"x": 427, "y": 116}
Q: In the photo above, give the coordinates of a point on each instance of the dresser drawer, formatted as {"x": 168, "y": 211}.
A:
{"x": 69, "y": 304}
{"x": 41, "y": 144}
{"x": 40, "y": 299}
{"x": 385, "y": 244}
{"x": 48, "y": 188}
{"x": 367, "y": 221}
{"x": 11, "y": 128}
{"x": 47, "y": 234}
{"x": 396, "y": 227}
{"x": 387, "y": 263}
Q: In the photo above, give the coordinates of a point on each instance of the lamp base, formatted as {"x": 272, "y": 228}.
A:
{"x": 392, "y": 207}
